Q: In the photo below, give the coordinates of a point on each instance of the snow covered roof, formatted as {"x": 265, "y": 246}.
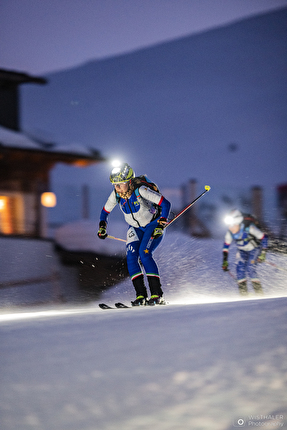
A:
{"x": 17, "y": 140}
{"x": 14, "y": 139}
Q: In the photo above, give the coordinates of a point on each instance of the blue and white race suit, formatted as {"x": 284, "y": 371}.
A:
{"x": 141, "y": 212}
{"x": 249, "y": 241}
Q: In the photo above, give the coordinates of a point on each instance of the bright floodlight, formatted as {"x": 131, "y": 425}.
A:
{"x": 116, "y": 163}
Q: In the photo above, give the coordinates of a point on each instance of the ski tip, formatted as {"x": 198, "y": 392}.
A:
{"x": 207, "y": 187}
{"x": 104, "y": 306}
{"x": 121, "y": 305}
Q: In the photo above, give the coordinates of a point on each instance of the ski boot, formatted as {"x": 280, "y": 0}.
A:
{"x": 139, "y": 301}
{"x": 155, "y": 291}
{"x": 141, "y": 291}
{"x": 156, "y": 300}
{"x": 243, "y": 288}
{"x": 257, "y": 287}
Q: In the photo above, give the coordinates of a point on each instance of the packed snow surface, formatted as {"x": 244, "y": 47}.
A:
{"x": 208, "y": 360}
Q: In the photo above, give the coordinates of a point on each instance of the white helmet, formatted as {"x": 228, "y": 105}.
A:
{"x": 121, "y": 174}
{"x": 234, "y": 217}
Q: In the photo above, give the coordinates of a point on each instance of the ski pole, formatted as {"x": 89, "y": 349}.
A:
{"x": 115, "y": 238}
{"x": 231, "y": 274}
{"x": 207, "y": 188}
{"x": 275, "y": 265}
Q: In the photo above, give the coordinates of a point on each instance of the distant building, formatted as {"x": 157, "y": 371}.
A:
{"x": 25, "y": 163}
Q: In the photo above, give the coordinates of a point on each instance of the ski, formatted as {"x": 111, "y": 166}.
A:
{"x": 120, "y": 305}
{"x": 104, "y": 306}
{"x": 117, "y": 306}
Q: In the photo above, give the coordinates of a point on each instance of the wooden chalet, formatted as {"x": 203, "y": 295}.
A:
{"x": 25, "y": 163}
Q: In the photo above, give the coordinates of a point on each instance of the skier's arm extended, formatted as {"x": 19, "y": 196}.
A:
{"x": 264, "y": 241}
{"x": 254, "y": 231}
{"x": 227, "y": 242}
{"x": 109, "y": 206}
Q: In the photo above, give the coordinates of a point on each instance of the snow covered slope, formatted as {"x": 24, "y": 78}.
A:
{"x": 209, "y": 360}
{"x": 177, "y": 367}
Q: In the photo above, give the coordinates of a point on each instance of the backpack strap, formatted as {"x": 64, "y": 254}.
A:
{"x": 249, "y": 219}
{"x": 142, "y": 180}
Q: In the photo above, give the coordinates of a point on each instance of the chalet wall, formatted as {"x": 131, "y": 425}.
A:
{"x": 18, "y": 213}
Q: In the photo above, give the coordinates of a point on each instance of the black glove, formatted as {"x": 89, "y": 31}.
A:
{"x": 102, "y": 233}
{"x": 225, "y": 262}
{"x": 225, "y": 266}
{"x": 262, "y": 256}
{"x": 158, "y": 231}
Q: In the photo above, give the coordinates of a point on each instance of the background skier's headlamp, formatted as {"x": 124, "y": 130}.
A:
{"x": 234, "y": 218}
{"x": 229, "y": 220}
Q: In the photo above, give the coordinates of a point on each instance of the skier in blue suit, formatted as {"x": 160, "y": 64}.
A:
{"x": 146, "y": 211}
{"x": 251, "y": 243}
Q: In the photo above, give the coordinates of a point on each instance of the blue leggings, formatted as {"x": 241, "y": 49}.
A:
{"x": 246, "y": 264}
{"x": 140, "y": 248}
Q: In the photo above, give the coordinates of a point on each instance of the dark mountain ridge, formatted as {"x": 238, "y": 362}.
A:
{"x": 173, "y": 110}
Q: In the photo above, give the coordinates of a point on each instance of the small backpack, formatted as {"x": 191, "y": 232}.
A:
{"x": 249, "y": 219}
{"x": 142, "y": 180}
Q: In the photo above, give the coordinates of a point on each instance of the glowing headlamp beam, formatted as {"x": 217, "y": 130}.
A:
{"x": 116, "y": 163}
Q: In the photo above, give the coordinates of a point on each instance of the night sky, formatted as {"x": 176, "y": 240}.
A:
{"x": 40, "y": 37}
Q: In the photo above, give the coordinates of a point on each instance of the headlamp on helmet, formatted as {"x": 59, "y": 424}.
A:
{"x": 121, "y": 174}
{"x": 234, "y": 217}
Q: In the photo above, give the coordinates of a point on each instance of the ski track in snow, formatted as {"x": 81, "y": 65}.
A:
{"x": 203, "y": 362}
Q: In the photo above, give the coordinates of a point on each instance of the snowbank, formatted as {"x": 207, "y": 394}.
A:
{"x": 82, "y": 236}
